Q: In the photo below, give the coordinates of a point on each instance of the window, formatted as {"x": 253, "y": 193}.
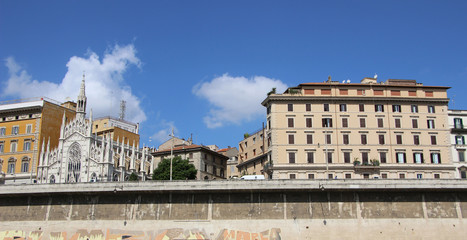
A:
{"x": 254, "y": 152}
{"x": 15, "y": 130}
{"x": 348, "y": 176}
{"x": 412, "y": 93}
{"x": 311, "y": 176}
{"x": 25, "y": 165}
{"x": 308, "y": 107}
{"x": 290, "y": 122}
{"x": 328, "y": 138}
{"x": 2, "y": 131}
{"x": 29, "y": 128}
{"x": 379, "y": 108}
{"x": 309, "y": 139}
{"x": 11, "y": 165}
{"x": 254, "y": 140}
{"x": 397, "y": 122}
{"x": 246, "y": 145}
{"x": 380, "y": 123}
{"x": 27, "y": 145}
{"x": 419, "y": 176}
{"x": 347, "y": 157}
{"x": 345, "y": 139}
{"x": 308, "y": 123}
{"x": 436, "y": 175}
{"x": 309, "y": 91}
{"x": 398, "y": 139}
{"x": 378, "y": 92}
{"x": 310, "y": 157}
{"x": 414, "y": 123}
{"x": 416, "y": 140}
{"x": 414, "y": 108}
{"x": 400, "y": 156}
{"x": 366, "y": 175}
{"x": 463, "y": 174}
{"x": 384, "y": 175}
{"x": 329, "y": 157}
{"x": 292, "y": 176}
{"x": 362, "y": 123}
{"x": 13, "y": 146}
{"x": 395, "y": 92}
{"x": 433, "y": 140}
{"x": 325, "y": 91}
{"x": 361, "y": 92}
{"x": 345, "y": 122}
{"x": 428, "y": 93}
{"x": 290, "y": 107}
{"x": 382, "y": 157}
{"x": 190, "y": 155}
{"x": 396, "y": 108}
{"x": 330, "y": 176}
{"x": 458, "y": 123}
{"x": 431, "y": 109}
{"x": 461, "y": 155}
{"x": 435, "y": 158}
{"x": 327, "y": 122}
{"x": 2, "y": 147}
{"x": 268, "y": 111}
{"x": 343, "y": 107}
{"x": 381, "y": 139}
{"x": 430, "y": 123}
{"x": 361, "y": 107}
{"x": 460, "y": 140}
{"x": 291, "y": 157}
{"x": 344, "y": 92}
{"x": 364, "y": 157}
{"x": 363, "y": 138}
{"x": 418, "y": 158}
{"x": 291, "y": 139}
{"x": 326, "y": 107}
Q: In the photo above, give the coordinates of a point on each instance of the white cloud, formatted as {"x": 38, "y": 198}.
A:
{"x": 235, "y": 99}
{"x": 164, "y": 132}
{"x": 105, "y": 85}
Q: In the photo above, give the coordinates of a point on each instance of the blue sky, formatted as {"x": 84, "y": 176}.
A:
{"x": 203, "y": 67}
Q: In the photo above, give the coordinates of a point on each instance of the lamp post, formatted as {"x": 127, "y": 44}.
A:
{"x": 171, "y": 153}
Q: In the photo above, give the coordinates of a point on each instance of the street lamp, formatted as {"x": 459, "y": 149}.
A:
{"x": 171, "y": 153}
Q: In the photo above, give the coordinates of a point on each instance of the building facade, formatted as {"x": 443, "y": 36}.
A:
{"x": 23, "y": 123}
{"x": 116, "y": 129}
{"x": 210, "y": 164}
{"x": 457, "y": 121}
{"x": 232, "y": 154}
{"x": 392, "y": 129}
{"x": 252, "y": 155}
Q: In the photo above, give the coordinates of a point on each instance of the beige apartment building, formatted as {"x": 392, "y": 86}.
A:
{"x": 391, "y": 129}
{"x": 252, "y": 154}
{"x": 457, "y": 120}
{"x": 117, "y": 129}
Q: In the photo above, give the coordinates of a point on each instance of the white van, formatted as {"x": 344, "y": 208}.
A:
{"x": 252, "y": 177}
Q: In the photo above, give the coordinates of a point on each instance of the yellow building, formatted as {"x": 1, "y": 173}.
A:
{"x": 117, "y": 129}
{"x": 24, "y": 125}
{"x": 252, "y": 154}
{"x": 392, "y": 129}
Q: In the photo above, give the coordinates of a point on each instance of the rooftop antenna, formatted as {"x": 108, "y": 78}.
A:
{"x": 122, "y": 109}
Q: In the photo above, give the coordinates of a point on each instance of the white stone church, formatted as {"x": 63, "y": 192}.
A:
{"x": 84, "y": 157}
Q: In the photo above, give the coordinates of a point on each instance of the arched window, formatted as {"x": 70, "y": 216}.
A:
{"x": 11, "y": 165}
{"x": 25, "y": 164}
{"x": 74, "y": 163}
{"x": 52, "y": 179}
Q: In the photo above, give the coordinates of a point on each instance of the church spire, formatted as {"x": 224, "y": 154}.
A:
{"x": 81, "y": 107}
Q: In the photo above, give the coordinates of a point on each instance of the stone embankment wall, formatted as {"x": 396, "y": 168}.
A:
{"x": 239, "y": 210}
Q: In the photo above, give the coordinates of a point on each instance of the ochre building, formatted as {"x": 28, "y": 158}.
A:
{"x": 24, "y": 125}
{"x": 392, "y": 129}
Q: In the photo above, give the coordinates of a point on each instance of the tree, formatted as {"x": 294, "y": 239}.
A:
{"x": 182, "y": 169}
{"x": 133, "y": 177}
